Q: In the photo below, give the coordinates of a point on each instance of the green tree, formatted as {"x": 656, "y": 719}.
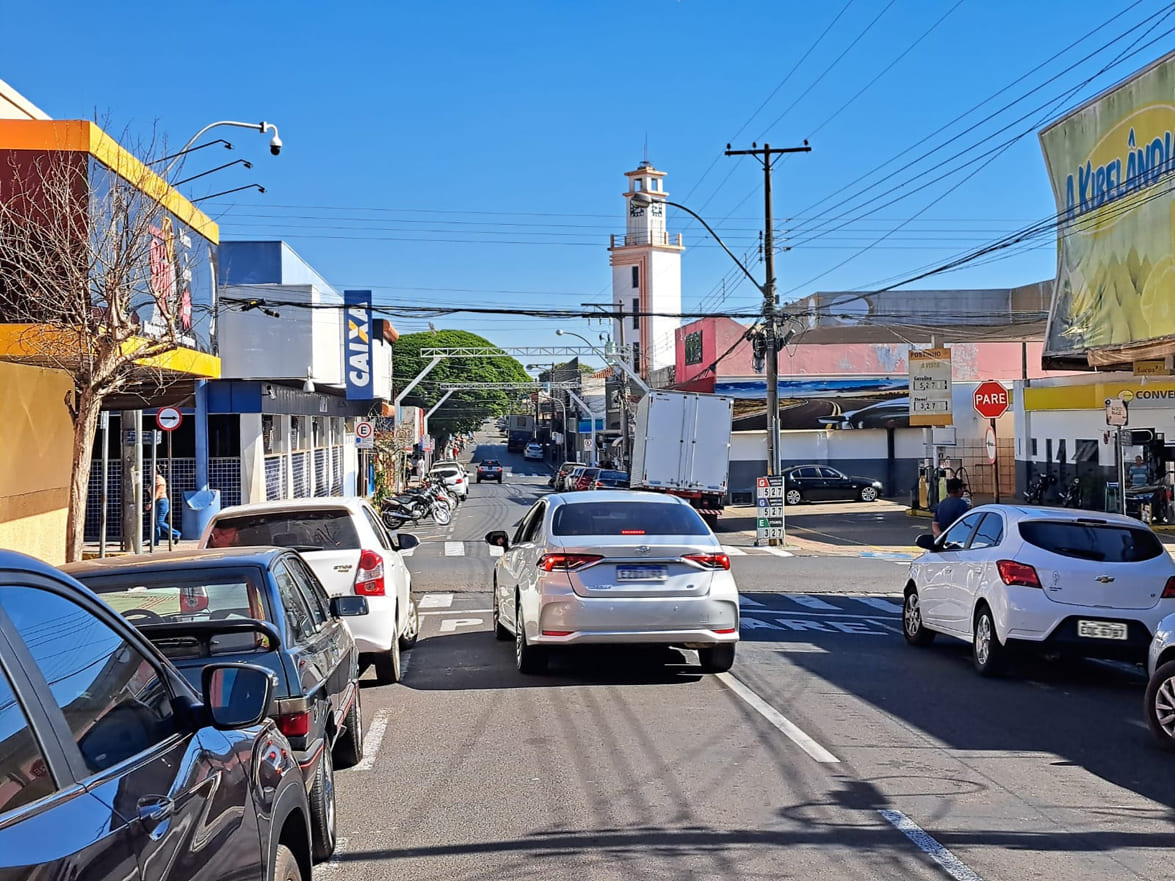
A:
{"x": 464, "y": 410}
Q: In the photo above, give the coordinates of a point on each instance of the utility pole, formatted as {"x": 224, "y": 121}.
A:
{"x": 770, "y": 315}
{"x": 612, "y": 313}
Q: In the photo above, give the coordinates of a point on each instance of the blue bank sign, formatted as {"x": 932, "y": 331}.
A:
{"x": 357, "y": 343}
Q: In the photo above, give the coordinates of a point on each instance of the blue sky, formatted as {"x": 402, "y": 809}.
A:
{"x": 473, "y": 154}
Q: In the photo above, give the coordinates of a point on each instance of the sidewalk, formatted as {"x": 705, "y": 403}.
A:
{"x": 740, "y": 520}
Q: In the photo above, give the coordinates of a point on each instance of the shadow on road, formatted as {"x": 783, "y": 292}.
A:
{"x": 475, "y": 660}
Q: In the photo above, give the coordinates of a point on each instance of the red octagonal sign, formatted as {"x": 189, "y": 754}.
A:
{"x": 991, "y": 399}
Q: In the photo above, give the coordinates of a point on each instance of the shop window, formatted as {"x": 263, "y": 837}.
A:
{"x": 1085, "y": 451}
{"x": 224, "y": 435}
{"x": 269, "y": 439}
{"x": 1033, "y": 447}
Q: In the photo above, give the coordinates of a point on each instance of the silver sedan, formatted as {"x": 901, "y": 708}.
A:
{"x": 614, "y": 567}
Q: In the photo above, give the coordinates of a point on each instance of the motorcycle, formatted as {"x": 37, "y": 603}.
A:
{"x": 1034, "y": 495}
{"x": 1071, "y": 496}
{"x": 413, "y": 506}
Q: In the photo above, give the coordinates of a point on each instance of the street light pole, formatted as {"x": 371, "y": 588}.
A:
{"x": 770, "y": 317}
{"x": 275, "y": 143}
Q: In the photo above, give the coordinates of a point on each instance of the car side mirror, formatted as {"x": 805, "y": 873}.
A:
{"x": 927, "y": 542}
{"x": 498, "y": 538}
{"x": 406, "y": 541}
{"x": 348, "y": 607}
{"x": 236, "y": 695}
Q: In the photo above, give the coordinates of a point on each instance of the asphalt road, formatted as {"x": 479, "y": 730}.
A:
{"x": 832, "y": 751}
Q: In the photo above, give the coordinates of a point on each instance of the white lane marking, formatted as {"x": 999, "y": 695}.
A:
{"x": 375, "y": 736}
{"x": 732, "y": 551}
{"x": 496, "y": 550}
{"x": 450, "y": 625}
{"x": 776, "y": 718}
{"x": 779, "y": 552}
{"x": 953, "y": 866}
{"x": 336, "y": 859}
{"x": 454, "y": 549}
{"x": 435, "y": 601}
{"x": 813, "y": 602}
{"x": 878, "y": 603}
{"x": 460, "y": 612}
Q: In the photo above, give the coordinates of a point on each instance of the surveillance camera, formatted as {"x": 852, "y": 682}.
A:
{"x": 275, "y": 146}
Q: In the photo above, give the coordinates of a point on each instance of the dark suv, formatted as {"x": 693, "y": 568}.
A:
{"x": 260, "y": 606}
{"x": 112, "y": 766}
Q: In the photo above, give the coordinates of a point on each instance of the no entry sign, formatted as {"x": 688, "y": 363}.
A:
{"x": 991, "y": 400}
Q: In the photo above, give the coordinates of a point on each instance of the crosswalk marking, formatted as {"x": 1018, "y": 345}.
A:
{"x": 454, "y": 549}
{"x": 779, "y": 552}
{"x": 812, "y": 602}
{"x": 877, "y": 603}
{"x": 435, "y": 601}
{"x": 733, "y": 551}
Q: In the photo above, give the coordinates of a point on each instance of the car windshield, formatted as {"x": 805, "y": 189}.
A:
{"x": 326, "y": 529}
{"x": 627, "y": 518}
{"x": 1103, "y": 542}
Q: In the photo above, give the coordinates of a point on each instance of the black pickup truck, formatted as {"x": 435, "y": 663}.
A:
{"x": 263, "y": 606}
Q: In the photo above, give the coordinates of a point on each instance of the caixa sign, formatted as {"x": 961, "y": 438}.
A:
{"x": 357, "y": 345}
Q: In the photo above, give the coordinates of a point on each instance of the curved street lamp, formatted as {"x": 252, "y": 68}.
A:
{"x": 771, "y": 347}
{"x": 275, "y": 143}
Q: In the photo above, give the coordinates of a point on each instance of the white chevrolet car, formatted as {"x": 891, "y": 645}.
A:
{"x": 614, "y": 567}
{"x": 1059, "y": 581}
{"x": 351, "y": 552}
{"x": 453, "y": 475}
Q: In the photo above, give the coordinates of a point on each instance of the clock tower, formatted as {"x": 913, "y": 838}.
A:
{"x": 646, "y": 277}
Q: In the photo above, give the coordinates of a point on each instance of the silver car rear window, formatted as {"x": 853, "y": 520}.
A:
{"x": 627, "y": 518}
{"x": 1103, "y": 542}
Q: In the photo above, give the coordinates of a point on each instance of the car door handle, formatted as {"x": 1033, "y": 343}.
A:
{"x": 154, "y": 812}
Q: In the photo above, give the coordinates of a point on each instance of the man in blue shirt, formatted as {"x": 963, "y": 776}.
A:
{"x": 1139, "y": 474}
{"x": 951, "y": 508}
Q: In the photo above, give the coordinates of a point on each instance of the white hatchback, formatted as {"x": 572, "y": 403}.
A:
{"x": 351, "y": 552}
{"x": 614, "y": 567}
{"x": 453, "y": 475}
{"x": 1060, "y": 581}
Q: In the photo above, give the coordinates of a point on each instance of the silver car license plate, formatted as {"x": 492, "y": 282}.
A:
{"x": 1101, "y": 629}
{"x": 641, "y": 573}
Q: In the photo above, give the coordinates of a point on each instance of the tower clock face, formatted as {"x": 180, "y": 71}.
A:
{"x": 635, "y": 210}
{"x": 657, "y": 208}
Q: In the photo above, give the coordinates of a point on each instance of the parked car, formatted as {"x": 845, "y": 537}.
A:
{"x": 1159, "y": 707}
{"x": 352, "y": 554}
{"x": 533, "y": 451}
{"x": 584, "y": 478}
{"x": 561, "y": 475}
{"x": 1055, "y": 580}
{"x": 819, "y": 483}
{"x": 608, "y": 479}
{"x": 489, "y": 469}
{"x": 263, "y": 607}
{"x": 111, "y": 760}
{"x": 452, "y": 475}
{"x": 614, "y": 567}
{"x": 571, "y": 481}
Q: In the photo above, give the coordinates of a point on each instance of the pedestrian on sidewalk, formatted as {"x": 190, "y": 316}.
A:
{"x": 951, "y": 508}
{"x": 162, "y": 506}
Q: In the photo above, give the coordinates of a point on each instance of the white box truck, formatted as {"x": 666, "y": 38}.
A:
{"x": 681, "y": 446}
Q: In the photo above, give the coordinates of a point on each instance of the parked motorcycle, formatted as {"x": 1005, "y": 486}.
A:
{"x": 1070, "y": 496}
{"x": 413, "y": 506}
{"x": 1035, "y": 493}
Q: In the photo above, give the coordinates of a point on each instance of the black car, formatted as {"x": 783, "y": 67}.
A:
{"x": 261, "y": 606}
{"x": 113, "y": 767}
{"x": 489, "y": 469}
{"x": 819, "y": 483}
{"x": 608, "y": 479}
